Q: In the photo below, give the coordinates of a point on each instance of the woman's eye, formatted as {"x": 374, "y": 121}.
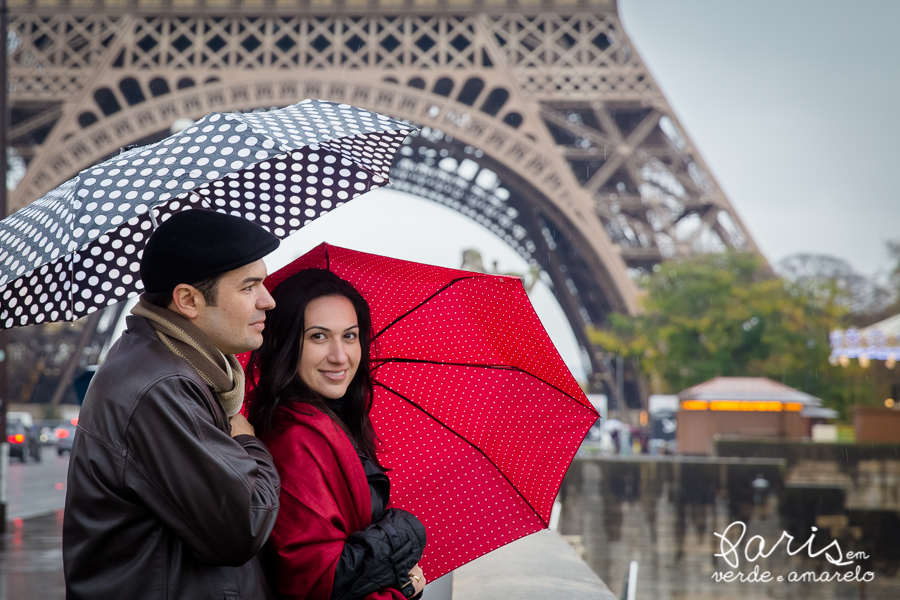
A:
{"x": 351, "y": 336}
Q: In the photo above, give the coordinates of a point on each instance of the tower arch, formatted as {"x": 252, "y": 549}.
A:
{"x": 550, "y": 102}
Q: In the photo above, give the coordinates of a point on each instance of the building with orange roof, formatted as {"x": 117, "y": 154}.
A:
{"x": 743, "y": 406}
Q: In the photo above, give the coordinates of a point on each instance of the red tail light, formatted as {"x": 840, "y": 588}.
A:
{"x": 62, "y": 433}
{"x": 74, "y": 421}
{"x": 16, "y": 439}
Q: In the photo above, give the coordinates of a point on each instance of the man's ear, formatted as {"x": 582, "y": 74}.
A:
{"x": 187, "y": 300}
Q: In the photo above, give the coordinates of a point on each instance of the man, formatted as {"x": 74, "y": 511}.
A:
{"x": 170, "y": 495}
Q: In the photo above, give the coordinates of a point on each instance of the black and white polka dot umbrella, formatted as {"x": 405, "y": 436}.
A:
{"x": 78, "y": 248}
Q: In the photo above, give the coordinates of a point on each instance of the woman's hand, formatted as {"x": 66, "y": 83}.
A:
{"x": 418, "y": 579}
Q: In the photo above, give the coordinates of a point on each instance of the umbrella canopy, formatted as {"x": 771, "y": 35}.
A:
{"x": 611, "y": 425}
{"x": 462, "y": 360}
{"x": 78, "y": 248}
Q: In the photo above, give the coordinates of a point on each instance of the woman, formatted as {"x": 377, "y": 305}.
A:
{"x": 311, "y": 397}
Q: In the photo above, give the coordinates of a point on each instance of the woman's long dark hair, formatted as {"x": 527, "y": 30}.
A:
{"x": 272, "y": 373}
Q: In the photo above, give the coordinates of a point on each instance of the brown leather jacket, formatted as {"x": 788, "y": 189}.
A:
{"x": 162, "y": 502}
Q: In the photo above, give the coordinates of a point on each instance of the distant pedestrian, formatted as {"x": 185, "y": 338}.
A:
{"x": 760, "y": 487}
{"x": 170, "y": 495}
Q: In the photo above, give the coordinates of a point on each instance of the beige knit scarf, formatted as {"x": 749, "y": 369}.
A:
{"x": 220, "y": 372}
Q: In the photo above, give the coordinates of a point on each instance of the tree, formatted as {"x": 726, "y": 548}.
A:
{"x": 893, "y": 249}
{"x": 832, "y": 279}
{"x": 726, "y": 314}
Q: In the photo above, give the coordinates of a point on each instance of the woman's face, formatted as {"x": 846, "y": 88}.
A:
{"x": 331, "y": 352}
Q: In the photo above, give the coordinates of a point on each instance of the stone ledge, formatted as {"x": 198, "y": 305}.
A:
{"x": 537, "y": 567}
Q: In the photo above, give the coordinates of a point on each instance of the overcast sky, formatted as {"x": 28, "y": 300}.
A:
{"x": 793, "y": 105}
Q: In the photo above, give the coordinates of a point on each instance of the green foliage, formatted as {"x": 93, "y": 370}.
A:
{"x": 727, "y": 314}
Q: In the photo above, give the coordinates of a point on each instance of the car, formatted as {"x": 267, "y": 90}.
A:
{"x": 22, "y": 416}
{"x": 46, "y": 430}
{"x": 65, "y": 435}
{"x": 47, "y": 436}
{"x": 23, "y": 441}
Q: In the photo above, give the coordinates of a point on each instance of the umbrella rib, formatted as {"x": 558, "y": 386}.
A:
{"x": 479, "y": 450}
{"x": 474, "y": 366}
{"x": 422, "y": 303}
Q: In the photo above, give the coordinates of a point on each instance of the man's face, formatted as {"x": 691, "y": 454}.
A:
{"x": 235, "y": 324}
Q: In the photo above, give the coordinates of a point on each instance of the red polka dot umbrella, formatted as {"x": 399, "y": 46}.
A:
{"x": 462, "y": 360}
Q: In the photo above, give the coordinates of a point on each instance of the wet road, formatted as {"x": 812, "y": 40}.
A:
{"x": 31, "y": 559}
{"x": 31, "y": 550}
{"x": 37, "y": 488}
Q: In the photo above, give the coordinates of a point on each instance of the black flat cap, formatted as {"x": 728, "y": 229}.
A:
{"x": 197, "y": 244}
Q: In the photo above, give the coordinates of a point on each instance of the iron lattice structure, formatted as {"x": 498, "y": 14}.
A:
{"x": 540, "y": 121}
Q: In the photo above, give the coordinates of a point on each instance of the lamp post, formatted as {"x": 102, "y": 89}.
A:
{"x": 4, "y": 356}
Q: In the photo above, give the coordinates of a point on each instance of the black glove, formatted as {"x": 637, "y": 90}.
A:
{"x": 407, "y": 549}
{"x": 380, "y": 556}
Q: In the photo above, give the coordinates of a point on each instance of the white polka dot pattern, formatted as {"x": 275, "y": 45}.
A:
{"x": 477, "y": 414}
{"x": 78, "y": 248}
{"x": 38, "y": 231}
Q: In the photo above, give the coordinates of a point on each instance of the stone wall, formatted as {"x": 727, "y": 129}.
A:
{"x": 664, "y": 511}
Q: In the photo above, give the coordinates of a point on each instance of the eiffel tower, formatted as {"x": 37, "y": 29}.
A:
{"x": 539, "y": 119}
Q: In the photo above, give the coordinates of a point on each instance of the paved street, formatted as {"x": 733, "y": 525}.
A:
{"x": 30, "y": 551}
{"x": 31, "y": 559}
{"x": 37, "y": 488}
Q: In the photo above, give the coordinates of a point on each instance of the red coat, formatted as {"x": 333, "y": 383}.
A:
{"x": 324, "y": 498}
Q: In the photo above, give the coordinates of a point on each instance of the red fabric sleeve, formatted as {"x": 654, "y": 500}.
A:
{"x": 324, "y": 498}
